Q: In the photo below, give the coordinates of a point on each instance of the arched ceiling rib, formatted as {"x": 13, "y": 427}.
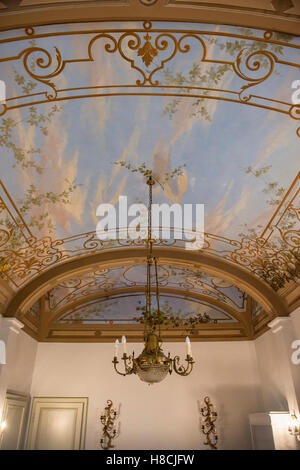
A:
{"x": 114, "y": 296}
{"x": 258, "y": 289}
{"x": 164, "y": 292}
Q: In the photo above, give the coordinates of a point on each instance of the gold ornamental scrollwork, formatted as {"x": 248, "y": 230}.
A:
{"x": 294, "y": 112}
{"x": 148, "y": 50}
{"x": 5, "y": 236}
{"x": 44, "y": 61}
{"x": 33, "y": 259}
{"x": 253, "y": 63}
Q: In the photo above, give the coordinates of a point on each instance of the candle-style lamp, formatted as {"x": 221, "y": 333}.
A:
{"x": 209, "y": 413}
{"x": 116, "y": 348}
{"x": 3, "y": 425}
{"x": 294, "y": 425}
{"x": 188, "y": 347}
{"x": 109, "y": 430}
{"x": 124, "y": 345}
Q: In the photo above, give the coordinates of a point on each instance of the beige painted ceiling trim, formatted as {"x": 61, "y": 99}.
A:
{"x": 249, "y": 15}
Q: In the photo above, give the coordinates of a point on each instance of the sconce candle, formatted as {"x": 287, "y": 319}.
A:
{"x": 188, "y": 347}
{"x": 124, "y": 344}
{"x": 116, "y": 347}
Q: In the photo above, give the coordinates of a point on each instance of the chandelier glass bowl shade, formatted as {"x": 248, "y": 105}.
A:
{"x": 152, "y": 365}
{"x": 152, "y": 373}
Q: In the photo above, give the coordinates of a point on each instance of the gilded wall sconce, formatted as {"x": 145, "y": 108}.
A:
{"x": 109, "y": 430}
{"x": 294, "y": 425}
{"x": 2, "y": 427}
{"x": 209, "y": 413}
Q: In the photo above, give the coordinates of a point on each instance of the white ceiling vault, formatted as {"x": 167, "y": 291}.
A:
{"x": 212, "y": 99}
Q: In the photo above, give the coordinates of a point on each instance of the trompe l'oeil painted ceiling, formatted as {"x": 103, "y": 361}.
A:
{"x": 215, "y": 102}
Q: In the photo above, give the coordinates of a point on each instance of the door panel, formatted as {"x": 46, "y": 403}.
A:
{"x": 14, "y": 415}
{"x": 57, "y": 424}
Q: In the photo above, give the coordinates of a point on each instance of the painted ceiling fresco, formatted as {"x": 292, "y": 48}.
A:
{"x": 131, "y": 277}
{"x": 214, "y": 101}
{"x": 94, "y": 297}
{"x": 127, "y": 309}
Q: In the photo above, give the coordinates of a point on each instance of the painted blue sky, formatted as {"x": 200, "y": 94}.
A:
{"x": 128, "y": 309}
{"x": 88, "y": 135}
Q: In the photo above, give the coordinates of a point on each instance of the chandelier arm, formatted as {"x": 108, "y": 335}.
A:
{"x": 170, "y": 361}
{"x": 128, "y": 370}
{"x": 115, "y": 362}
{"x": 180, "y": 369}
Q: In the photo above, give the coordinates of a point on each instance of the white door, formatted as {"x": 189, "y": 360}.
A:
{"x": 14, "y": 412}
{"x": 57, "y": 423}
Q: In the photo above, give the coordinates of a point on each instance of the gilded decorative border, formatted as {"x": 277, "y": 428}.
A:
{"x": 256, "y": 255}
{"x": 189, "y": 280}
{"x": 148, "y": 44}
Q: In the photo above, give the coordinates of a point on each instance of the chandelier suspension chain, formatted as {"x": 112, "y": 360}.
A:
{"x": 157, "y": 298}
{"x": 152, "y": 365}
{"x": 150, "y": 183}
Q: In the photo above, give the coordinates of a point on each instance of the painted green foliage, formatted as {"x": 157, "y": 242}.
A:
{"x": 197, "y": 76}
{"x": 166, "y": 316}
{"x": 276, "y": 275}
{"x": 29, "y": 159}
{"x": 147, "y": 172}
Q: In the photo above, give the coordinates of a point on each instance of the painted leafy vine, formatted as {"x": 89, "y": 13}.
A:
{"x": 202, "y": 76}
{"x": 276, "y": 274}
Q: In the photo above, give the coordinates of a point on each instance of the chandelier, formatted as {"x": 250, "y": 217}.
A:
{"x": 152, "y": 365}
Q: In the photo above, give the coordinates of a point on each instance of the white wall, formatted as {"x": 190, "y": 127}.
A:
{"x": 22, "y": 364}
{"x": 16, "y": 373}
{"x": 272, "y": 385}
{"x": 165, "y": 415}
{"x": 279, "y": 375}
{"x": 296, "y": 321}
{"x": 241, "y": 378}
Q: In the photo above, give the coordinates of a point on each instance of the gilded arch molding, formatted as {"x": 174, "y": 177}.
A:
{"x": 285, "y": 18}
{"x": 247, "y": 282}
{"x": 163, "y": 290}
